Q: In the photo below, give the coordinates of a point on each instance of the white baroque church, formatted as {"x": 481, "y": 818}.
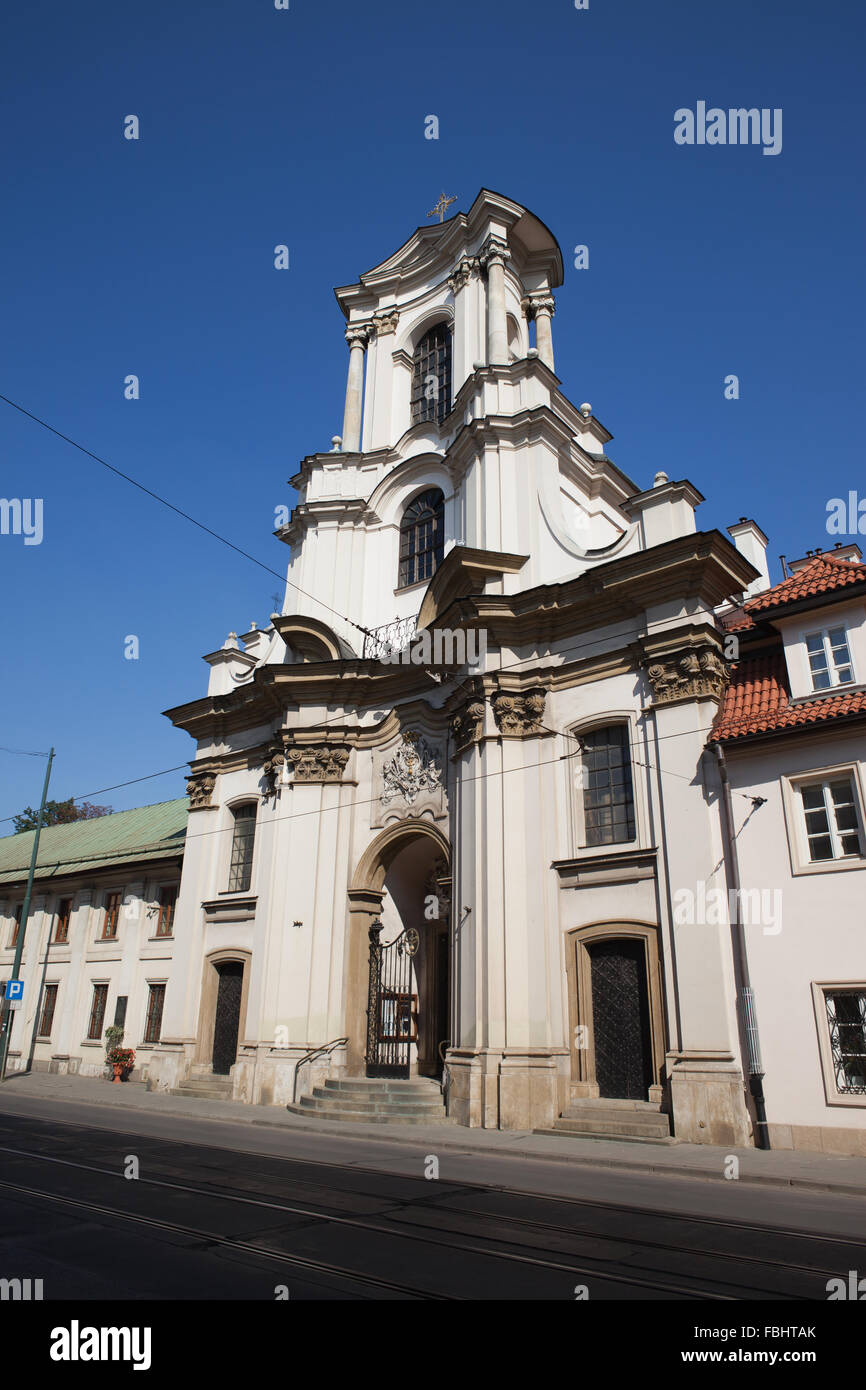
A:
{"x": 442, "y": 805}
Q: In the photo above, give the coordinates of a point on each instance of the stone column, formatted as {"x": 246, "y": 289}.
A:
{"x": 357, "y": 338}
{"x": 467, "y": 348}
{"x": 494, "y": 256}
{"x": 380, "y": 431}
{"x": 541, "y": 308}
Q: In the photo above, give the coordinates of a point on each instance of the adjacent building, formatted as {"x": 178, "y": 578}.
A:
{"x": 99, "y": 941}
{"x": 793, "y": 732}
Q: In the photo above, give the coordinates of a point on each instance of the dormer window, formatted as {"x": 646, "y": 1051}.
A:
{"x": 829, "y": 658}
{"x": 422, "y": 538}
{"x": 431, "y": 375}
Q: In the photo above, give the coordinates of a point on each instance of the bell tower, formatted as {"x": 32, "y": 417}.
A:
{"x": 483, "y": 276}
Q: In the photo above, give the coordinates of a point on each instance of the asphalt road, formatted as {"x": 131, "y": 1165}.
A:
{"x": 224, "y": 1211}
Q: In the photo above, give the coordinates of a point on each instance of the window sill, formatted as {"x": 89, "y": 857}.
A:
{"x": 615, "y": 864}
{"x": 810, "y": 696}
{"x": 231, "y": 907}
{"x": 829, "y": 866}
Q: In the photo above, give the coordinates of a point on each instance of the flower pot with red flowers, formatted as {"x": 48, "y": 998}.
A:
{"x": 122, "y": 1061}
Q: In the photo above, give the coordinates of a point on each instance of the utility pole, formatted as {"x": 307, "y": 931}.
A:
{"x": 25, "y": 909}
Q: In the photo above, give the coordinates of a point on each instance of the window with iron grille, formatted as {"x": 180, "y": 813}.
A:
{"x": 97, "y": 1012}
{"x": 831, "y": 819}
{"x": 829, "y": 658}
{"x": 167, "y": 901}
{"x": 46, "y": 1019}
{"x": 16, "y": 926}
{"x": 112, "y": 913}
{"x": 243, "y": 839}
{"x": 422, "y": 538}
{"x": 153, "y": 1022}
{"x": 431, "y": 375}
{"x": 61, "y": 922}
{"x": 606, "y": 783}
{"x": 846, "y": 1019}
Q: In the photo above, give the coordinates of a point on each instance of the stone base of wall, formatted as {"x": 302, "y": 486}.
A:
{"x": 507, "y": 1088}
{"x": 708, "y": 1100}
{"x": 820, "y": 1139}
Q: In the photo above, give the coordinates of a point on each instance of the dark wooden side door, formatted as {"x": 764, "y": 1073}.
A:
{"x": 228, "y": 1015}
{"x": 620, "y": 1019}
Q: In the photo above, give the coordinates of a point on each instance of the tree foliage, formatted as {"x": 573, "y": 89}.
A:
{"x": 59, "y": 813}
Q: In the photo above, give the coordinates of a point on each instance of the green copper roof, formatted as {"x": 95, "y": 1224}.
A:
{"x": 148, "y": 832}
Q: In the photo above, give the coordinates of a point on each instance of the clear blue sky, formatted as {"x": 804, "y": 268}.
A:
{"x": 306, "y": 127}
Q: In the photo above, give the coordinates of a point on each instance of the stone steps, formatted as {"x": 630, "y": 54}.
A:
{"x": 204, "y": 1088}
{"x": 375, "y": 1100}
{"x": 633, "y": 1120}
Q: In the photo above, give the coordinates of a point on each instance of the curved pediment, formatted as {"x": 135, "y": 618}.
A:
{"x": 463, "y": 572}
{"x": 311, "y": 639}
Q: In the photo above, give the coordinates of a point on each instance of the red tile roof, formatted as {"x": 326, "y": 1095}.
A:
{"x": 737, "y": 620}
{"x": 758, "y": 701}
{"x": 824, "y": 574}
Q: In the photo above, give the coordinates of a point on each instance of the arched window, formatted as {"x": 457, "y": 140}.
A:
{"x": 608, "y": 797}
{"x": 422, "y": 537}
{"x": 431, "y": 375}
{"x": 243, "y": 839}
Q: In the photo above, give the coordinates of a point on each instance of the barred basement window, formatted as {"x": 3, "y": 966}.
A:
{"x": 49, "y": 1003}
{"x": 61, "y": 926}
{"x": 153, "y": 1024}
{"x": 243, "y": 839}
{"x": 846, "y": 1017}
{"x": 422, "y": 538}
{"x": 608, "y": 799}
{"x": 165, "y": 920}
{"x": 97, "y": 1012}
{"x": 431, "y": 375}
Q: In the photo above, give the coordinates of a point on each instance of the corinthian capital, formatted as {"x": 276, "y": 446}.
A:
{"x": 533, "y": 304}
{"x": 386, "y": 321}
{"x": 466, "y": 267}
{"x": 494, "y": 249}
{"x": 359, "y": 334}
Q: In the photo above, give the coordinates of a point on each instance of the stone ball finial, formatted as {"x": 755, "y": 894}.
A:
{"x": 337, "y": 441}
{"x": 586, "y": 410}
{"x": 532, "y": 352}
{"x": 660, "y": 479}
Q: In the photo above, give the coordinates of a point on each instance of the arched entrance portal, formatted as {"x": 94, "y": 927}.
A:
{"x": 398, "y": 1014}
{"x": 223, "y": 1009}
{"x": 617, "y": 1017}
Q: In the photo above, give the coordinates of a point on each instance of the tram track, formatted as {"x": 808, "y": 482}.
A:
{"x": 394, "y": 1223}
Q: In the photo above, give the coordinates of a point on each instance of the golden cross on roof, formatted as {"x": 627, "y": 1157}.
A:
{"x": 441, "y": 206}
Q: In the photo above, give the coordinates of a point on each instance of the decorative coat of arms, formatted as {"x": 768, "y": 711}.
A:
{"x": 411, "y": 771}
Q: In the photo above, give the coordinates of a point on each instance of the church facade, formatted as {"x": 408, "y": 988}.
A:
{"x": 446, "y": 807}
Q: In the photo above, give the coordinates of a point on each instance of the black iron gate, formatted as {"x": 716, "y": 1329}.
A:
{"x": 392, "y": 1007}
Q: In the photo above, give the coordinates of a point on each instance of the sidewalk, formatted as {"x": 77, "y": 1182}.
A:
{"x": 781, "y": 1168}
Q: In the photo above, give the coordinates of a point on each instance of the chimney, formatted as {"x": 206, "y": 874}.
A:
{"x": 751, "y": 542}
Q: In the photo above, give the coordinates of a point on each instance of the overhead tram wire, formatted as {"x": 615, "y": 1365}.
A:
{"x": 82, "y": 796}
{"x": 261, "y": 565}
{"x": 180, "y": 512}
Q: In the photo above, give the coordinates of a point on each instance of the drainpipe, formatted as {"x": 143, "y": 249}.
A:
{"x": 747, "y": 994}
